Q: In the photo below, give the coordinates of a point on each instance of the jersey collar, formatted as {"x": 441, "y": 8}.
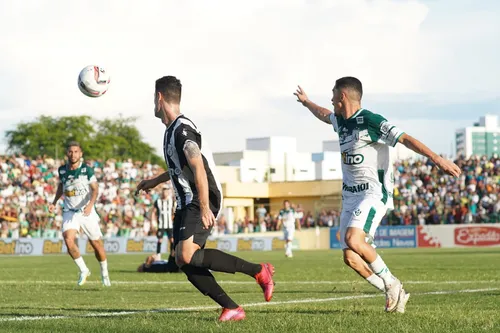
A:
{"x": 175, "y": 120}
{"x": 355, "y": 114}
{"x": 79, "y": 166}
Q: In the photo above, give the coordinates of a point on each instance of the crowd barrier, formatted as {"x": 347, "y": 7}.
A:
{"x": 446, "y": 236}
{"x": 122, "y": 245}
{"x": 40, "y": 246}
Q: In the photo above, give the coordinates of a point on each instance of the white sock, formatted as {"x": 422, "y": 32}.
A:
{"x": 289, "y": 247}
{"x": 377, "y": 282}
{"x": 380, "y": 268}
{"x": 81, "y": 264}
{"x": 104, "y": 267}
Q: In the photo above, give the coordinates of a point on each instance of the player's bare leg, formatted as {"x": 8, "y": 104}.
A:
{"x": 355, "y": 239}
{"x": 288, "y": 249}
{"x": 100, "y": 255}
{"x": 69, "y": 238}
{"x": 196, "y": 262}
{"x": 353, "y": 260}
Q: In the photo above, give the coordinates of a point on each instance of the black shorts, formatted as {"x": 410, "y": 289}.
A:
{"x": 187, "y": 223}
{"x": 161, "y": 232}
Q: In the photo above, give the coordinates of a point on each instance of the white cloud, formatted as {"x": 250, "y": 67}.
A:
{"x": 232, "y": 57}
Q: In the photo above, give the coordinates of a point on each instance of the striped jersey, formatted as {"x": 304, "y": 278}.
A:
{"x": 367, "y": 169}
{"x": 180, "y": 131}
{"x": 164, "y": 209}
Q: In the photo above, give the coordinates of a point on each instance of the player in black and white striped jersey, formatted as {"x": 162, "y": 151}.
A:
{"x": 163, "y": 212}
{"x": 199, "y": 200}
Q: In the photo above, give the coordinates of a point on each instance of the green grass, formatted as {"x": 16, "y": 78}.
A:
{"x": 46, "y": 286}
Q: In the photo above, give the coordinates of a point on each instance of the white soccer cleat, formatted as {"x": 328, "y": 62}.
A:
{"x": 83, "y": 277}
{"x": 106, "y": 281}
{"x": 392, "y": 294}
{"x": 400, "y": 308}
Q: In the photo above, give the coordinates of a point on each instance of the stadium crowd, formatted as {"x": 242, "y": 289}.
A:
{"x": 423, "y": 195}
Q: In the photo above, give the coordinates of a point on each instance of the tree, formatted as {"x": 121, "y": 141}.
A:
{"x": 100, "y": 139}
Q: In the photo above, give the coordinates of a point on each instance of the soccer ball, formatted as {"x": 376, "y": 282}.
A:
{"x": 93, "y": 81}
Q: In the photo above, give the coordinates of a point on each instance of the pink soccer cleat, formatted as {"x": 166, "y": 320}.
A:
{"x": 232, "y": 314}
{"x": 265, "y": 280}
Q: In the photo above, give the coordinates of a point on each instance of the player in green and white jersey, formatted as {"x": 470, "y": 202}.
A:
{"x": 288, "y": 219}
{"x": 79, "y": 186}
{"x": 367, "y": 187}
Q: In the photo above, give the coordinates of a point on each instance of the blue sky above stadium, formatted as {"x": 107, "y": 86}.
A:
{"x": 428, "y": 66}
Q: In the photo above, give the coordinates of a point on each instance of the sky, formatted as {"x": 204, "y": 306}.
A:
{"x": 430, "y": 67}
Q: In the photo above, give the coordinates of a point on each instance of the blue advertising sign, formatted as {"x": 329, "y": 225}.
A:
{"x": 396, "y": 236}
{"x": 402, "y": 236}
{"x": 335, "y": 238}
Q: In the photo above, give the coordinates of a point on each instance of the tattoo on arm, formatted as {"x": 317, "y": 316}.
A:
{"x": 191, "y": 149}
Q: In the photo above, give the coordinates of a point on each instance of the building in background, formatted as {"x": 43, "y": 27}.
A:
{"x": 270, "y": 170}
{"x": 276, "y": 159}
{"x": 271, "y": 159}
{"x": 481, "y": 139}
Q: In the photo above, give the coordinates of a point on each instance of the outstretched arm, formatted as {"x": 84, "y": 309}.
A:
{"x": 447, "y": 166}
{"x": 147, "y": 184}
{"x": 389, "y": 134}
{"x": 321, "y": 113}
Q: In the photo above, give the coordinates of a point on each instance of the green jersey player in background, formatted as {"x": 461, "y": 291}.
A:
{"x": 367, "y": 187}
{"x": 288, "y": 219}
{"x": 79, "y": 186}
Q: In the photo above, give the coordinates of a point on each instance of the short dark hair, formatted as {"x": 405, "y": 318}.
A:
{"x": 170, "y": 87}
{"x": 73, "y": 144}
{"x": 350, "y": 82}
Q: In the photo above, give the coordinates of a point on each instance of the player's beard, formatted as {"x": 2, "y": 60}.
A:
{"x": 74, "y": 160}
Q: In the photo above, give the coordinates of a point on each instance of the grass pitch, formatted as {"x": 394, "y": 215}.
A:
{"x": 452, "y": 291}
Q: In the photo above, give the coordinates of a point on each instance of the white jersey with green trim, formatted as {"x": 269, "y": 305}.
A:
{"x": 76, "y": 186}
{"x": 367, "y": 169}
{"x": 288, "y": 217}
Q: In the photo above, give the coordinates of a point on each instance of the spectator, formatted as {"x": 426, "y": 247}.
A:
{"x": 422, "y": 195}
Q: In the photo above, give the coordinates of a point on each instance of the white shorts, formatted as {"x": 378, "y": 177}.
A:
{"x": 89, "y": 224}
{"x": 365, "y": 215}
{"x": 288, "y": 233}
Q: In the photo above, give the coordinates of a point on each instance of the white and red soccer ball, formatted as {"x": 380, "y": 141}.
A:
{"x": 93, "y": 81}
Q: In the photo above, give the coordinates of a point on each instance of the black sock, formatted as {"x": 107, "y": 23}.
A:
{"x": 205, "y": 282}
{"x": 223, "y": 262}
{"x": 158, "y": 247}
{"x": 172, "y": 265}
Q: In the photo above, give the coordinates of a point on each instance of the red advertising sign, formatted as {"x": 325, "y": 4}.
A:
{"x": 477, "y": 236}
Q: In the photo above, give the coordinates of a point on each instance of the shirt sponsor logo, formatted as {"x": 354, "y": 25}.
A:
{"x": 176, "y": 171}
{"x": 355, "y": 188}
{"x": 75, "y": 192}
{"x": 352, "y": 159}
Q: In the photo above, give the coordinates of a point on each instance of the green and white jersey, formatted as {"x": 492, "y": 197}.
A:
{"x": 366, "y": 162}
{"x": 76, "y": 186}
{"x": 288, "y": 218}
